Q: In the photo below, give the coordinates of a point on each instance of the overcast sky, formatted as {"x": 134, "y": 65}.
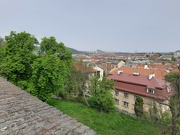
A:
{"x": 109, "y": 25}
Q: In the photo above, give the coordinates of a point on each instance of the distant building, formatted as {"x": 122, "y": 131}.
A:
{"x": 120, "y": 64}
{"x": 99, "y": 71}
{"x": 107, "y": 66}
{"x": 165, "y": 57}
{"x": 89, "y": 70}
{"x": 177, "y": 54}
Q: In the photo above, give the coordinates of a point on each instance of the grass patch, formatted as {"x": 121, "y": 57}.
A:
{"x": 106, "y": 123}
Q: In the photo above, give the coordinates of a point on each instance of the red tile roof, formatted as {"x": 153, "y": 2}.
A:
{"x": 80, "y": 57}
{"x": 111, "y": 55}
{"x": 138, "y": 85}
{"x": 158, "y": 73}
{"x": 160, "y": 66}
{"x": 83, "y": 68}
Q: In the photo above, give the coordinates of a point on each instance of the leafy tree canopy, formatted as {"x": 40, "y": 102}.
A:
{"x": 42, "y": 75}
{"x": 76, "y": 85}
{"x": 101, "y": 96}
{"x": 2, "y": 43}
{"x": 18, "y": 56}
{"x": 47, "y": 77}
{"x": 51, "y": 46}
{"x": 174, "y": 102}
{"x": 172, "y": 76}
{"x": 173, "y": 58}
{"x": 138, "y": 107}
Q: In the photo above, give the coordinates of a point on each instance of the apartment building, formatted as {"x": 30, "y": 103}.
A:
{"x": 107, "y": 66}
{"x": 129, "y": 86}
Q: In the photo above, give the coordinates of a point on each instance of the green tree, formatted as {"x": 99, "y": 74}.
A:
{"x": 2, "y": 52}
{"x": 173, "y": 102}
{"x": 41, "y": 74}
{"x": 47, "y": 77}
{"x": 172, "y": 78}
{"x": 138, "y": 107}
{"x": 18, "y": 57}
{"x": 154, "y": 112}
{"x": 162, "y": 119}
{"x": 173, "y": 58}
{"x": 1, "y": 39}
{"x": 101, "y": 96}
{"x": 51, "y": 46}
{"x": 50, "y": 70}
{"x": 77, "y": 86}
{"x": 2, "y": 43}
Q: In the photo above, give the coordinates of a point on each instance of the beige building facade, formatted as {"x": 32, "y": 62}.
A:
{"x": 125, "y": 102}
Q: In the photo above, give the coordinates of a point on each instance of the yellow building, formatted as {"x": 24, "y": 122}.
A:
{"x": 151, "y": 89}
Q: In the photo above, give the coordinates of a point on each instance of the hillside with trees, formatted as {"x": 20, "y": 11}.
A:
{"x": 74, "y": 51}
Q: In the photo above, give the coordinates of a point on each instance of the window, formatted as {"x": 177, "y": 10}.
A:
{"x": 135, "y": 96}
{"x": 125, "y": 104}
{"x": 151, "y": 91}
{"x": 116, "y": 92}
{"x": 116, "y": 101}
{"x": 125, "y": 95}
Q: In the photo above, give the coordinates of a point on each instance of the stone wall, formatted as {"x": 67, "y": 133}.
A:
{"x": 21, "y": 113}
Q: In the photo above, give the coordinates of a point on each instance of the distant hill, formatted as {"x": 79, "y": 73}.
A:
{"x": 100, "y": 51}
{"x": 74, "y": 51}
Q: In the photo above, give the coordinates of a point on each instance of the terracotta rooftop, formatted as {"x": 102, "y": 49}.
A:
{"x": 138, "y": 85}
{"x": 23, "y": 114}
{"x": 81, "y": 57}
{"x": 156, "y": 65}
{"x": 158, "y": 73}
{"x": 83, "y": 68}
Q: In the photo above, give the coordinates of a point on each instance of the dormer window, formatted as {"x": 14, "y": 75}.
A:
{"x": 168, "y": 89}
{"x": 151, "y": 91}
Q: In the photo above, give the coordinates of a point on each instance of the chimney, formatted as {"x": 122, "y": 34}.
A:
{"x": 151, "y": 76}
{"x": 120, "y": 71}
{"x": 146, "y": 67}
{"x": 136, "y": 73}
